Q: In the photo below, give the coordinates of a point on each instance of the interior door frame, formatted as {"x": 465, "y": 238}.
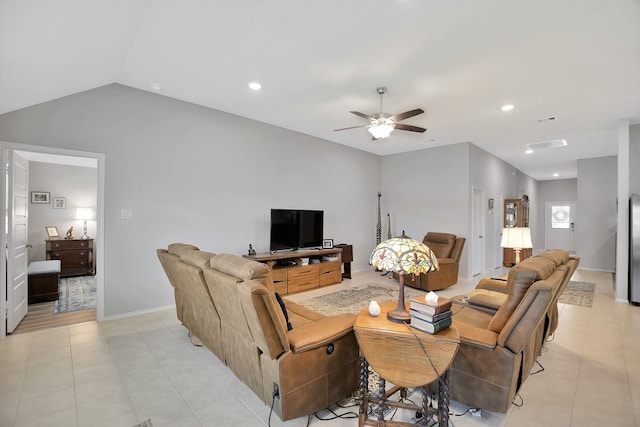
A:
{"x": 479, "y": 214}
{"x": 99, "y": 241}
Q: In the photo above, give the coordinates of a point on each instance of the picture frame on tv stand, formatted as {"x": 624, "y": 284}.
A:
{"x": 327, "y": 243}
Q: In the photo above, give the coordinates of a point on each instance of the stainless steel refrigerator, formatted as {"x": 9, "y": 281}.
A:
{"x": 634, "y": 249}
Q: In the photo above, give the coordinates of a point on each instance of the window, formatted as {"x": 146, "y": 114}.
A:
{"x": 560, "y": 216}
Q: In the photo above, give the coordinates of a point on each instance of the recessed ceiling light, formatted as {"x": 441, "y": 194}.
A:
{"x": 507, "y": 107}
{"x": 255, "y": 86}
{"x": 528, "y": 151}
{"x": 555, "y": 175}
{"x": 156, "y": 87}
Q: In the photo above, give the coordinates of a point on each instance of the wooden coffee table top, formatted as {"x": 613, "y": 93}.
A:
{"x": 393, "y": 351}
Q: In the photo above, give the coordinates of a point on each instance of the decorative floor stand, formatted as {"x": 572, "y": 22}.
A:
{"x": 381, "y": 401}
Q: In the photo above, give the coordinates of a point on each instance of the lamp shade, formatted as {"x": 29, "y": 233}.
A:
{"x": 404, "y": 255}
{"x": 84, "y": 213}
{"x": 516, "y": 237}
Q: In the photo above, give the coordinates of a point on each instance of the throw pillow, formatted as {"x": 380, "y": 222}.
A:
{"x": 284, "y": 311}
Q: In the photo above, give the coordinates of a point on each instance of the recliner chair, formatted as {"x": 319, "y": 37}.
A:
{"x": 448, "y": 249}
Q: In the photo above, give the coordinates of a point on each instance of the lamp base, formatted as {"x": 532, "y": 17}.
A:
{"x": 400, "y": 314}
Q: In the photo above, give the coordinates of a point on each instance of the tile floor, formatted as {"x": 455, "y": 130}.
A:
{"x": 120, "y": 372}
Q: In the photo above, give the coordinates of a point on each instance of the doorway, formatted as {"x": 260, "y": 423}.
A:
{"x": 560, "y": 221}
{"x": 65, "y": 206}
{"x": 478, "y": 231}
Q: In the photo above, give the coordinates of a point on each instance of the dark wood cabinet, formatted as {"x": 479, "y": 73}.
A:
{"x": 75, "y": 255}
{"x": 347, "y": 258}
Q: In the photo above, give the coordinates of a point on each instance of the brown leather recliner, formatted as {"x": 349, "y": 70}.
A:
{"x": 448, "y": 249}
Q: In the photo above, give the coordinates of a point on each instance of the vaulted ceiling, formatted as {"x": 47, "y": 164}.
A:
{"x": 571, "y": 68}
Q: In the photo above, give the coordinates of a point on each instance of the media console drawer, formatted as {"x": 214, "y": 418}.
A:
{"x": 290, "y": 276}
{"x": 330, "y": 272}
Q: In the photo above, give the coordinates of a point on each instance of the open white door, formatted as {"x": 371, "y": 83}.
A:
{"x": 17, "y": 252}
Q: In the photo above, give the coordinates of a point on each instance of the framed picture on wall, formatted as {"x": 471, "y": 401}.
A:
{"x": 52, "y": 232}
{"x": 59, "y": 203}
{"x": 40, "y": 197}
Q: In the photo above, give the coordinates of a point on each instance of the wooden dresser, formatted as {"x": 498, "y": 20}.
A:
{"x": 75, "y": 255}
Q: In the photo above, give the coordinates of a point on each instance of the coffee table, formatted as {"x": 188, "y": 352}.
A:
{"x": 406, "y": 357}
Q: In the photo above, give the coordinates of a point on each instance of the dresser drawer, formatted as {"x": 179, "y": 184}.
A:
{"x": 68, "y": 254}
{"x": 69, "y": 244}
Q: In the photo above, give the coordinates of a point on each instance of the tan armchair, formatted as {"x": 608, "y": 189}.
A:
{"x": 448, "y": 249}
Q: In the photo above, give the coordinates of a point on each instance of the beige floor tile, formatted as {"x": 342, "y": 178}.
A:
{"x": 123, "y": 371}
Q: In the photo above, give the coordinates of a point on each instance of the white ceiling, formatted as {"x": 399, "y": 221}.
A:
{"x": 576, "y": 60}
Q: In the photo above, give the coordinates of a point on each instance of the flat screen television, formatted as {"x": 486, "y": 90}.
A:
{"x": 293, "y": 229}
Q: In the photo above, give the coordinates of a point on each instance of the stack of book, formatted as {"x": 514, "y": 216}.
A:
{"x": 428, "y": 316}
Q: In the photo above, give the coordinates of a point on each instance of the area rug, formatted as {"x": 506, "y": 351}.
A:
{"x": 354, "y": 300}
{"x": 578, "y": 293}
{"x": 76, "y": 293}
{"x": 146, "y": 423}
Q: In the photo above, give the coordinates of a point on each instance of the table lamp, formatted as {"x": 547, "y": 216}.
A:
{"x": 403, "y": 255}
{"x": 517, "y": 238}
{"x": 84, "y": 214}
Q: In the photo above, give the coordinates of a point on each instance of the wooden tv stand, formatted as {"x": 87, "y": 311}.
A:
{"x": 293, "y": 278}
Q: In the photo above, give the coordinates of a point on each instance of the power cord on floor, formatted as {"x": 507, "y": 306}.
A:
{"x": 539, "y": 370}
{"x": 274, "y": 394}
{"x": 519, "y": 404}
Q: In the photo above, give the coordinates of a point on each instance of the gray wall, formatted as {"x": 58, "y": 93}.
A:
{"x": 77, "y": 184}
{"x": 431, "y": 190}
{"x": 428, "y": 190}
{"x": 597, "y": 215}
{"x": 196, "y": 175}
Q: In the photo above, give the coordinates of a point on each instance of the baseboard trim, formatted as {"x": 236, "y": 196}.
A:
{"x": 137, "y": 313}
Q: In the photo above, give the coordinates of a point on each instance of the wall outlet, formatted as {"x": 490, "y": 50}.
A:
{"x": 126, "y": 213}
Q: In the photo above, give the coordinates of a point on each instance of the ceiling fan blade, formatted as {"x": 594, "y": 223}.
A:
{"x": 406, "y": 114}
{"x": 410, "y": 128}
{"x": 351, "y": 127}
{"x": 363, "y": 115}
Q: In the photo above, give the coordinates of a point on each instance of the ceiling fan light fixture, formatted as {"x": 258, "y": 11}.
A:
{"x": 381, "y": 131}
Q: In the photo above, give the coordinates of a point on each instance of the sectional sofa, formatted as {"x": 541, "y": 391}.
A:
{"x": 229, "y": 304}
{"x": 503, "y": 326}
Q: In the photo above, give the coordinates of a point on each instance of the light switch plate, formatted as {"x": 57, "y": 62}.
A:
{"x": 126, "y": 213}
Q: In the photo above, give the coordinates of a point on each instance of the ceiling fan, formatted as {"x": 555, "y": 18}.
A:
{"x": 381, "y": 124}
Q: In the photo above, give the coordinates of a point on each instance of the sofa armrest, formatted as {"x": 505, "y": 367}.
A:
{"x": 497, "y": 285}
{"x": 320, "y": 333}
{"x": 475, "y": 336}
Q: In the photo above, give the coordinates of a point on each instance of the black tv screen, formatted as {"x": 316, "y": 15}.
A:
{"x": 295, "y": 229}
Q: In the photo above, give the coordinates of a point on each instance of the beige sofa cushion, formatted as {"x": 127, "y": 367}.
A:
{"x": 519, "y": 281}
{"x": 556, "y": 255}
{"x": 542, "y": 266}
{"x": 180, "y": 248}
{"x": 196, "y": 258}
{"x": 242, "y": 268}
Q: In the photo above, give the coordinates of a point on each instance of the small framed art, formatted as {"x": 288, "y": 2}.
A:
{"x": 59, "y": 203}
{"x": 327, "y": 243}
{"x": 52, "y": 232}
{"x": 40, "y": 197}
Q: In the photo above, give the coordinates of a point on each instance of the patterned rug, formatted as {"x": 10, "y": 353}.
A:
{"x": 76, "y": 293}
{"x": 578, "y": 293}
{"x": 354, "y": 300}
